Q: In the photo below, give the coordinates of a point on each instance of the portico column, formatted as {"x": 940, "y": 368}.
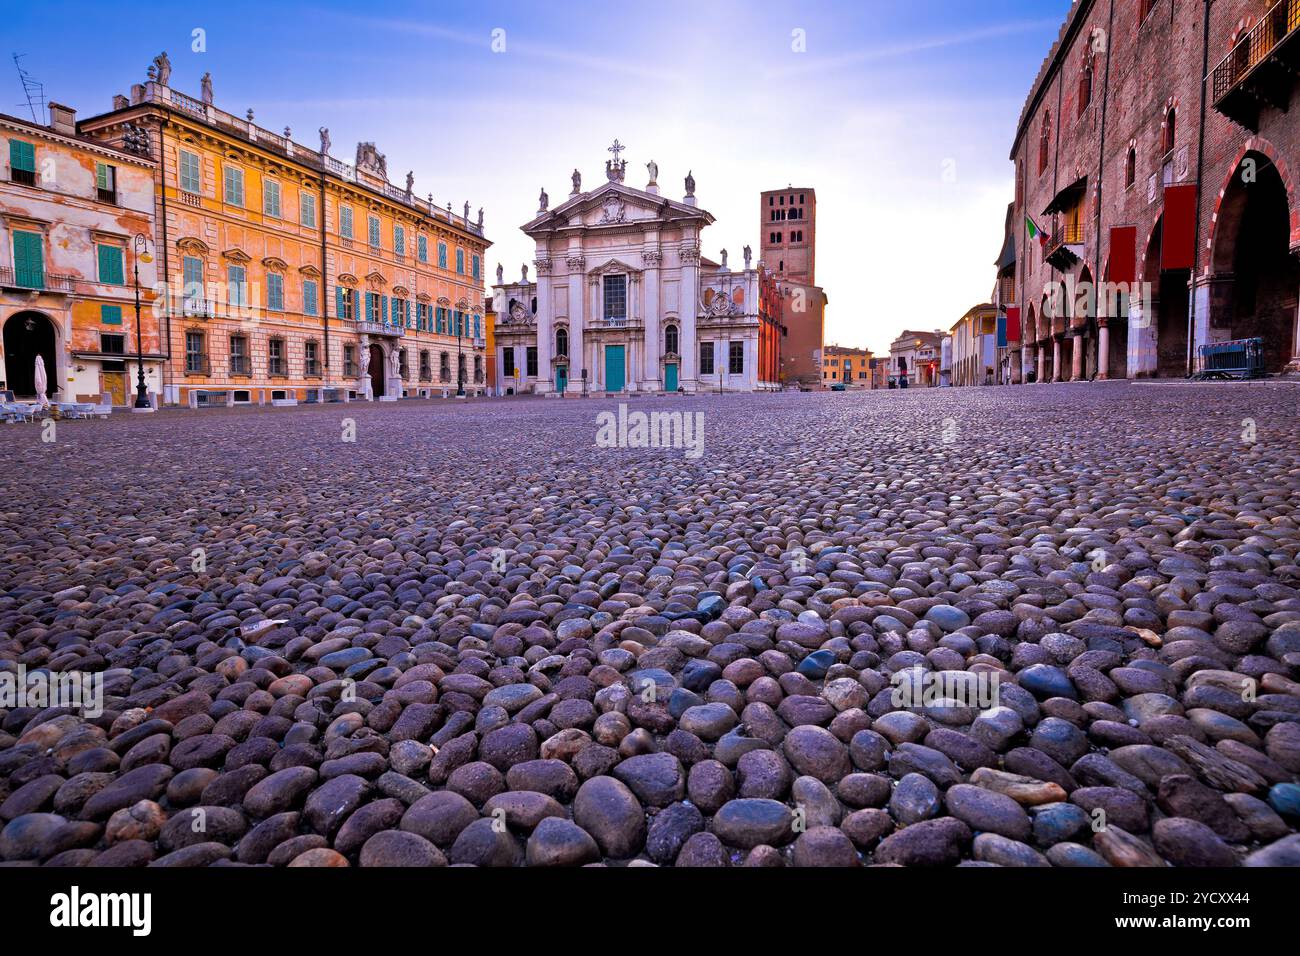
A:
{"x": 545, "y": 381}
{"x": 1103, "y": 350}
{"x": 578, "y": 307}
{"x": 1056, "y": 359}
{"x": 1076, "y": 356}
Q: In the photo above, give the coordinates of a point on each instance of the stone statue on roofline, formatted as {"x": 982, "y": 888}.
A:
{"x": 324, "y": 140}
{"x": 480, "y": 217}
{"x": 162, "y": 68}
{"x": 690, "y": 184}
{"x": 410, "y": 181}
{"x": 205, "y": 86}
{"x": 748, "y": 254}
{"x": 501, "y": 274}
{"x": 543, "y": 201}
{"x": 653, "y": 169}
{"x": 577, "y": 181}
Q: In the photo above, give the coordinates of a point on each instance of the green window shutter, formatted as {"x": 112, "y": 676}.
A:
{"x": 29, "y": 260}
{"x": 189, "y": 172}
{"x": 110, "y": 314}
{"x": 111, "y": 268}
{"x": 275, "y": 292}
{"x": 101, "y": 176}
{"x": 383, "y": 309}
{"x": 309, "y": 297}
{"x": 369, "y": 307}
{"x": 22, "y": 155}
{"x": 338, "y": 301}
{"x": 410, "y": 307}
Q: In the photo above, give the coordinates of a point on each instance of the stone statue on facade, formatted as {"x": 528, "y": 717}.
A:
{"x": 163, "y": 68}
{"x": 577, "y": 182}
{"x": 205, "y": 86}
{"x": 466, "y": 216}
{"x": 324, "y": 140}
{"x": 395, "y": 365}
{"x": 690, "y": 184}
{"x": 410, "y": 181}
{"x": 653, "y": 168}
{"x": 480, "y": 218}
{"x": 543, "y": 201}
{"x": 524, "y": 273}
{"x": 748, "y": 255}
{"x": 365, "y": 363}
{"x": 501, "y": 274}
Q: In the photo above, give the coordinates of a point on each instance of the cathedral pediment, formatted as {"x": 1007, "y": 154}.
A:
{"x": 612, "y": 205}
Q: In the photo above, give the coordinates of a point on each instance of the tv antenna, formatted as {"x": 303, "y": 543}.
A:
{"x": 33, "y": 90}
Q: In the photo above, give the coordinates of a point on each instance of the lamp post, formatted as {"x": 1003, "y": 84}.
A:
{"x": 460, "y": 361}
{"x": 140, "y": 246}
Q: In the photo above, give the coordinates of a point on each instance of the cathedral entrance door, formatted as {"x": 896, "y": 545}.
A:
{"x": 561, "y": 378}
{"x": 615, "y": 368}
{"x": 670, "y": 377}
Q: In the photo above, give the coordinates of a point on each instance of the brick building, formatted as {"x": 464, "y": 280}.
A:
{"x": 1155, "y": 212}
{"x": 788, "y": 246}
{"x": 288, "y": 271}
{"x": 76, "y": 220}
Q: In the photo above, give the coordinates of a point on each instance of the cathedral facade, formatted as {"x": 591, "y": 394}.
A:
{"x": 624, "y": 301}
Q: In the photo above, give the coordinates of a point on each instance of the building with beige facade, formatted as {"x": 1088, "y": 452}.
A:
{"x": 76, "y": 221}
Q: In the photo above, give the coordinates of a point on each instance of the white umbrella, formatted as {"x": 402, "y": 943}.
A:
{"x": 42, "y": 383}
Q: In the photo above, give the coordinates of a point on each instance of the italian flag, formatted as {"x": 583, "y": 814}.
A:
{"x": 1034, "y": 231}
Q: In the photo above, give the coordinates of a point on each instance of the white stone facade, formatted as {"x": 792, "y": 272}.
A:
{"x": 623, "y": 299}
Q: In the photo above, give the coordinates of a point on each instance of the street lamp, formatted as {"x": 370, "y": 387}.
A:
{"x": 460, "y": 361}
{"x": 140, "y": 246}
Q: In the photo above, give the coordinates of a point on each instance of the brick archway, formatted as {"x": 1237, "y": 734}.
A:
{"x": 1258, "y": 144}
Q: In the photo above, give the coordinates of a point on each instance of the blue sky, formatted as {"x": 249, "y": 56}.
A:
{"x": 899, "y": 113}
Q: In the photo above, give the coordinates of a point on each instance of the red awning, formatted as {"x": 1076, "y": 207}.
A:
{"x": 1123, "y": 254}
{"x": 1178, "y": 236}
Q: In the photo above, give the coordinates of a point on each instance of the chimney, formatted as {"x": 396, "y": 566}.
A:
{"x": 63, "y": 119}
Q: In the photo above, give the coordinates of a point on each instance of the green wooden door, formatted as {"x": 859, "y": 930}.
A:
{"x": 615, "y": 368}
{"x": 670, "y": 377}
{"x": 561, "y": 378}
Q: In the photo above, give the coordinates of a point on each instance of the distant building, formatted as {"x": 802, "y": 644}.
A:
{"x": 788, "y": 233}
{"x": 974, "y": 358}
{"x": 914, "y": 359}
{"x": 72, "y": 209}
{"x": 849, "y": 365}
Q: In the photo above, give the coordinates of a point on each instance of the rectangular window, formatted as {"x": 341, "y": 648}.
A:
{"x": 615, "y": 298}
{"x": 706, "y": 358}
{"x": 275, "y": 357}
{"x": 196, "y": 362}
{"x": 373, "y": 232}
{"x": 349, "y": 360}
{"x": 111, "y": 344}
{"x": 399, "y": 312}
{"x": 346, "y": 304}
{"x": 192, "y": 281}
{"x": 106, "y": 183}
{"x": 190, "y": 179}
{"x": 311, "y": 359}
{"x": 399, "y": 241}
{"x": 307, "y": 209}
{"x": 29, "y": 260}
{"x": 22, "y": 162}
{"x": 271, "y": 199}
{"x": 508, "y": 362}
{"x": 422, "y": 247}
{"x": 442, "y": 255}
{"x": 532, "y": 361}
{"x": 110, "y": 314}
{"x": 275, "y": 292}
{"x": 234, "y": 186}
{"x": 345, "y": 222}
{"x": 309, "y": 297}
{"x": 460, "y": 261}
{"x": 736, "y": 358}
{"x": 112, "y": 267}
{"x": 240, "y": 362}
{"x": 477, "y": 267}
{"x": 236, "y": 286}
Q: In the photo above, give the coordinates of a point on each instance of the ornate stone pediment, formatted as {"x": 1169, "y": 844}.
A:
{"x": 347, "y": 278}
{"x": 195, "y": 247}
{"x": 236, "y": 255}
{"x": 375, "y": 277}
{"x": 612, "y": 266}
{"x": 310, "y": 271}
{"x": 275, "y": 264}
{"x": 401, "y": 291}
{"x": 613, "y": 209}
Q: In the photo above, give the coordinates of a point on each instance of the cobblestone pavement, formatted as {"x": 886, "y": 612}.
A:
{"x": 472, "y": 635}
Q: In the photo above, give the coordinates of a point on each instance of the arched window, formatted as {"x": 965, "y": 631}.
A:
{"x": 1085, "y": 85}
{"x": 1130, "y": 167}
{"x": 1171, "y": 121}
{"x": 562, "y": 342}
{"x": 670, "y": 340}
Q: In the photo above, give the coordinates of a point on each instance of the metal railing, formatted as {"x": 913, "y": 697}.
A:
{"x": 1282, "y": 19}
{"x": 36, "y": 280}
{"x": 1236, "y": 358}
{"x": 1066, "y": 234}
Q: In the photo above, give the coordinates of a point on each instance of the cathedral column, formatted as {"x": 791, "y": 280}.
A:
{"x": 577, "y": 312}
{"x": 650, "y": 259}
{"x": 688, "y": 305}
{"x": 545, "y": 383}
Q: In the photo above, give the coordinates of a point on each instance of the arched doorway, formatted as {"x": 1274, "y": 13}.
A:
{"x": 1112, "y": 308}
{"x": 1259, "y": 278}
{"x": 1169, "y": 303}
{"x": 26, "y": 335}
{"x": 377, "y": 371}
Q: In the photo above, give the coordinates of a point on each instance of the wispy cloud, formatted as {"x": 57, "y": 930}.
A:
{"x": 806, "y": 63}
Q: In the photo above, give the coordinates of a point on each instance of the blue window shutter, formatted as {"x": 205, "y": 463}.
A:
{"x": 110, "y": 314}
{"x": 383, "y": 304}
{"x": 366, "y": 315}
{"x": 338, "y": 301}
{"x": 410, "y": 310}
